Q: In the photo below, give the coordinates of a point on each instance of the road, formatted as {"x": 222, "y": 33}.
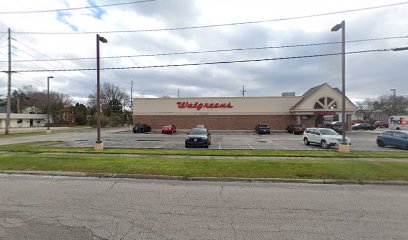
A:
{"x": 34, "y": 207}
{"x": 124, "y": 137}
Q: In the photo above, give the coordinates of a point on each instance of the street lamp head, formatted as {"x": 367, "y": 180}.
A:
{"x": 337, "y": 27}
{"x": 50, "y": 77}
{"x": 400, "y": 49}
{"x": 102, "y": 39}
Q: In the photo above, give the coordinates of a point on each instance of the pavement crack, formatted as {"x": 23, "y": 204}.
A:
{"x": 116, "y": 182}
{"x": 221, "y": 190}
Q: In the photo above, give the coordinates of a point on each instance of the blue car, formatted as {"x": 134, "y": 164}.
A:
{"x": 395, "y": 138}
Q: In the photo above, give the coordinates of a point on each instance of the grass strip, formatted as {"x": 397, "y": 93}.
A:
{"x": 37, "y": 133}
{"x": 38, "y": 147}
{"x": 187, "y": 167}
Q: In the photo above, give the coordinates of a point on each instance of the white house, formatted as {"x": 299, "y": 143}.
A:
{"x": 22, "y": 120}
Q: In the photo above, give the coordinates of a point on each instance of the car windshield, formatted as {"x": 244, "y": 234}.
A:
{"x": 263, "y": 126}
{"x": 198, "y": 131}
{"x": 327, "y": 132}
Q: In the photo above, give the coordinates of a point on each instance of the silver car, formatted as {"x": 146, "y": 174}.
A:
{"x": 325, "y": 137}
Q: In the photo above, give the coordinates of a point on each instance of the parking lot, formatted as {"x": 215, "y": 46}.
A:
{"x": 361, "y": 140}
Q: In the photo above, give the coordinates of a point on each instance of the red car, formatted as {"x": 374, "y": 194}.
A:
{"x": 295, "y": 128}
{"x": 169, "y": 129}
{"x": 381, "y": 124}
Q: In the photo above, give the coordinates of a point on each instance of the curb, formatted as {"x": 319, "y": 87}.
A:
{"x": 208, "y": 179}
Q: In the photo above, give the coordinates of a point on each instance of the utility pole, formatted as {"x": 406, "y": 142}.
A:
{"x": 131, "y": 95}
{"x": 7, "y": 131}
{"x": 178, "y": 93}
{"x": 243, "y": 91}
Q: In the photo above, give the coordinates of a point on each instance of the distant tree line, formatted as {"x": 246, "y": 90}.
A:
{"x": 115, "y": 105}
{"x": 389, "y": 105}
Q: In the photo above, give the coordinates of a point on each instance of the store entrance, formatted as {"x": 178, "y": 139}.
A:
{"x": 319, "y": 120}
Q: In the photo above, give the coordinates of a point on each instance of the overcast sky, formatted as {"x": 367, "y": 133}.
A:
{"x": 38, "y": 36}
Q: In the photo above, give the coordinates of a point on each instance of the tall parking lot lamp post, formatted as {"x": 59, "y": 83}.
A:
{"x": 48, "y": 104}
{"x": 342, "y": 26}
{"x": 98, "y": 144}
{"x": 393, "y": 89}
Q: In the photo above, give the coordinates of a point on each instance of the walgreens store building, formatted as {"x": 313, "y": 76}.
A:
{"x": 243, "y": 113}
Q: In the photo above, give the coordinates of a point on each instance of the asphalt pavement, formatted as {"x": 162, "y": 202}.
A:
{"x": 59, "y": 208}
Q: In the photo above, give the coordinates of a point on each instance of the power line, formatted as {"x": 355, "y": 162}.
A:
{"x": 87, "y": 77}
{"x": 221, "y": 25}
{"x": 210, "y": 51}
{"x": 77, "y": 8}
{"x": 207, "y": 63}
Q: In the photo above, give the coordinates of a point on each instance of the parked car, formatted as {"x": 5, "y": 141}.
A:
{"x": 262, "y": 128}
{"x": 363, "y": 126}
{"x": 169, "y": 129}
{"x": 326, "y": 137}
{"x": 198, "y": 137}
{"x": 336, "y": 126}
{"x": 295, "y": 128}
{"x": 381, "y": 124}
{"x": 394, "y": 138}
{"x": 141, "y": 128}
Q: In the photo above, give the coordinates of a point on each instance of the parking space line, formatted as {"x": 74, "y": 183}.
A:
{"x": 161, "y": 146}
{"x": 250, "y": 146}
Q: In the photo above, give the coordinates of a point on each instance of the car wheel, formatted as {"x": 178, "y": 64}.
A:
{"x": 306, "y": 141}
{"x": 324, "y": 144}
{"x": 380, "y": 143}
{"x": 187, "y": 146}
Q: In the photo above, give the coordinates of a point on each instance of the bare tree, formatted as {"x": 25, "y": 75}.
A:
{"x": 30, "y": 97}
{"x": 367, "y": 107}
{"x": 393, "y": 105}
{"x": 110, "y": 92}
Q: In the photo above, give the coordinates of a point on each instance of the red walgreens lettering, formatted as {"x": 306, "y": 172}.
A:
{"x": 182, "y": 104}
{"x": 200, "y": 106}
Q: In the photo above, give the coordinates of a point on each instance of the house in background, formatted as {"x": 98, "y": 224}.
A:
{"x": 23, "y": 120}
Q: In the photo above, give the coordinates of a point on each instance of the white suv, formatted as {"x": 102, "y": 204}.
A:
{"x": 326, "y": 137}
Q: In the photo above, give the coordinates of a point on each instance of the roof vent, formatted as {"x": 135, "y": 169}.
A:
{"x": 286, "y": 94}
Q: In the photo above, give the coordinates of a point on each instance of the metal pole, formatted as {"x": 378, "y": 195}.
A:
{"x": 98, "y": 106}
{"x": 98, "y": 91}
{"x": 131, "y": 95}
{"x": 394, "y": 105}
{"x": 48, "y": 102}
{"x": 343, "y": 79}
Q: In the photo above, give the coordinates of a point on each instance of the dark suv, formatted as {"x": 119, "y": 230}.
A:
{"x": 336, "y": 126}
{"x": 198, "y": 137}
{"x": 262, "y": 129}
{"x": 141, "y": 128}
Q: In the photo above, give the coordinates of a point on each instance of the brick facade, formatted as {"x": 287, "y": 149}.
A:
{"x": 239, "y": 113}
{"x": 224, "y": 122}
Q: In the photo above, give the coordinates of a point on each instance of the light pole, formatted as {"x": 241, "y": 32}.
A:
{"x": 342, "y": 26}
{"x": 394, "y": 105}
{"x": 48, "y": 104}
{"x": 98, "y": 144}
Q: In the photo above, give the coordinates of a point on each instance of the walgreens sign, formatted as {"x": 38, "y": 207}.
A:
{"x": 200, "y": 105}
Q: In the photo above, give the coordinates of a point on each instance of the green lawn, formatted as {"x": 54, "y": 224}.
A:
{"x": 46, "y": 156}
{"x": 51, "y": 147}
{"x": 42, "y": 132}
{"x": 187, "y": 167}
